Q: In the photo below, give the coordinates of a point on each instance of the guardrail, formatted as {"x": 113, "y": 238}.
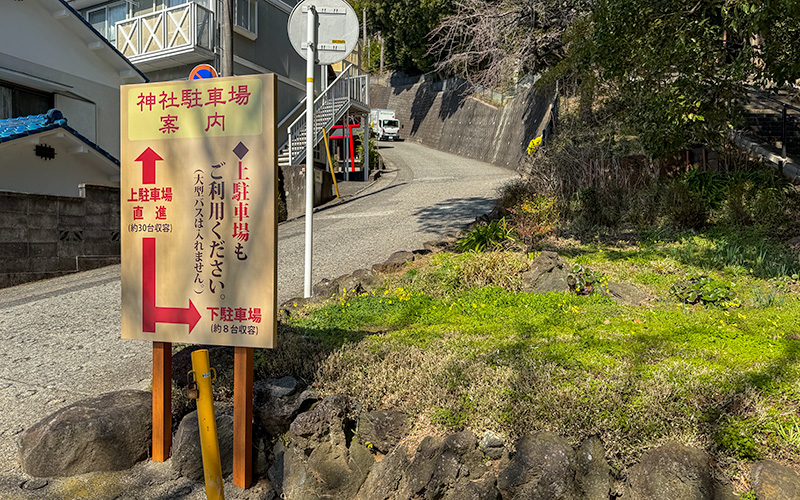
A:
{"x": 186, "y": 25}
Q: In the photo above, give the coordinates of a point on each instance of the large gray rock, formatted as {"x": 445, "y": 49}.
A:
{"x": 384, "y": 477}
{"x": 276, "y": 402}
{"x": 547, "y": 273}
{"x": 382, "y": 429}
{"x": 625, "y": 294}
{"x": 542, "y": 467}
{"x": 593, "y": 472}
{"x": 187, "y": 457}
{"x": 484, "y": 488}
{"x": 675, "y": 472}
{"x": 394, "y": 263}
{"x": 773, "y": 481}
{"x": 448, "y": 469}
{"x": 443, "y": 467}
{"x": 325, "y": 419}
{"x": 355, "y": 283}
{"x": 319, "y": 458}
{"x": 108, "y": 433}
{"x": 492, "y": 445}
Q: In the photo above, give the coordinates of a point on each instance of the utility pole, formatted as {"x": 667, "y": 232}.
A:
{"x": 381, "y": 71}
{"x": 226, "y": 39}
{"x": 365, "y": 43}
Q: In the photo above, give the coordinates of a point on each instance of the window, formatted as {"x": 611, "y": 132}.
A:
{"x": 105, "y": 19}
{"x": 18, "y": 101}
{"x": 245, "y": 14}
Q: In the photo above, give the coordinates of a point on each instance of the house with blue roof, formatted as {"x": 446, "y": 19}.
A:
{"x": 43, "y": 154}
{"x": 59, "y": 100}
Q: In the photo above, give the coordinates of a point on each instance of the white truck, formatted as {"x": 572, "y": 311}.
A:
{"x": 384, "y": 124}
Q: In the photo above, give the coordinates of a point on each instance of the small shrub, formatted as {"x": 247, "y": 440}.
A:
{"x": 513, "y": 193}
{"x": 282, "y": 213}
{"x": 767, "y": 298}
{"x": 450, "y": 274}
{"x": 704, "y": 290}
{"x": 534, "y": 218}
{"x": 606, "y": 207}
{"x": 736, "y": 438}
{"x": 759, "y": 198}
{"x": 584, "y": 281}
{"x": 374, "y": 155}
{"x": 711, "y": 186}
{"x": 492, "y": 269}
{"x": 683, "y": 207}
{"x": 486, "y": 236}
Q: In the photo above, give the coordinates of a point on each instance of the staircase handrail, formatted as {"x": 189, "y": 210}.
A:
{"x": 338, "y": 97}
{"x": 302, "y": 105}
{"x": 768, "y": 97}
{"x": 782, "y": 108}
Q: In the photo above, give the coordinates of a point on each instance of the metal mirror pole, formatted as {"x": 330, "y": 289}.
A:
{"x": 309, "y": 146}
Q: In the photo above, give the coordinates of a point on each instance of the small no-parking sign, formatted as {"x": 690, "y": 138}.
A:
{"x": 202, "y": 71}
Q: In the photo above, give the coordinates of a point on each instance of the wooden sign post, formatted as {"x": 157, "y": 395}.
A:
{"x": 242, "y": 416}
{"x": 162, "y": 400}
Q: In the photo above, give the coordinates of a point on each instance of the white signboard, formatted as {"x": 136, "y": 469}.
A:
{"x": 337, "y": 29}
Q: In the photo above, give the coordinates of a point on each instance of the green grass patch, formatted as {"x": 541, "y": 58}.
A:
{"x": 453, "y": 342}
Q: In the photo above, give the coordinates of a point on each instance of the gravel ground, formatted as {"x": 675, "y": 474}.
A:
{"x": 59, "y": 338}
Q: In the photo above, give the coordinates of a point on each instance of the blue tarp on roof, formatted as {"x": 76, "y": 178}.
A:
{"x": 15, "y": 128}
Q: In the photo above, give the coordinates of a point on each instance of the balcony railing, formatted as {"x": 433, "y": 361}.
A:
{"x": 168, "y": 30}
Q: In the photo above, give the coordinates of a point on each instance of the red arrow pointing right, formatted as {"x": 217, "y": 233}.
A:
{"x": 152, "y": 314}
{"x": 148, "y": 159}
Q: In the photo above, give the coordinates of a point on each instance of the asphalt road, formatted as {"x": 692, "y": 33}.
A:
{"x": 59, "y": 338}
{"x": 424, "y": 194}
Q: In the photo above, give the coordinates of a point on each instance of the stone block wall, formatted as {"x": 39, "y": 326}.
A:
{"x": 453, "y": 121}
{"x": 43, "y": 236}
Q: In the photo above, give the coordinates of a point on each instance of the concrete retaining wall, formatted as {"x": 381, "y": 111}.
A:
{"x": 455, "y": 122}
{"x": 293, "y": 189}
{"x": 46, "y": 236}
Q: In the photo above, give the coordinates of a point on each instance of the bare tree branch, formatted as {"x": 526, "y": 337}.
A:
{"x": 494, "y": 42}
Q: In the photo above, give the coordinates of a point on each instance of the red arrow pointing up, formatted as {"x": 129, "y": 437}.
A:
{"x": 148, "y": 159}
{"x": 151, "y": 314}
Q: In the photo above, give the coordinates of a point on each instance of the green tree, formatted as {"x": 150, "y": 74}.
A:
{"x": 675, "y": 69}
{"x": 669, "y": 72}
{"x": 404, "y": 26}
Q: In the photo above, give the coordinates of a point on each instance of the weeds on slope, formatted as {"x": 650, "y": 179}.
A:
{"x": 485, "y": 356}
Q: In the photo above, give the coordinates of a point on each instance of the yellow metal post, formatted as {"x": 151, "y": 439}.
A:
{"x": 328, "y": 149}
{"x": 209, "y": 442}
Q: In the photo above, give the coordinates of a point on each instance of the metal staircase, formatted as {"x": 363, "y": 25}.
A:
{"x": 772, "y": 132}
{"x": 349, "y": 91}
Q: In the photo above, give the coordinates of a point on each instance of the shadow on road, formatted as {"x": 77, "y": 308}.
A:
{"x": 382, "y": 190}
{"x": 452, "y": 214}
